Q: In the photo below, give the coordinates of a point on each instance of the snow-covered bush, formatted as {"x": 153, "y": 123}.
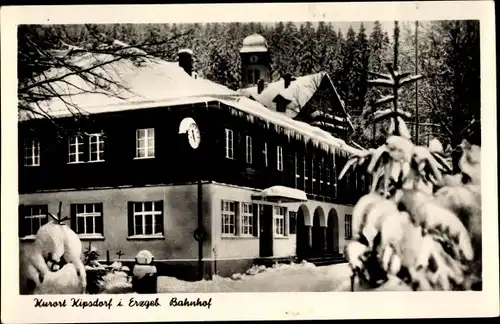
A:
{"x": 417, "y": 223}
{"x": 63, "y": 281}
{"x": 55, "y": 244}
{"x": 108, "y": 279}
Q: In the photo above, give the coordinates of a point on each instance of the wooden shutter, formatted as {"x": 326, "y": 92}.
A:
{"x": 264, "y": 154}
{"x": 22, "y": 222}
{"x": 104, "y": 146}
{"x": 237, "y": 218}
{"x": 255, "y": 210}
{"x": 86, "y": 147}
{"x": 293, "y": 222}
{"x": 239, "y": 147}
{"x": 158, "y": 205}
{"x": 289, "y": 166}
{"x": 130, "y": 218}
{"x": 73, "y": 217}
{"x": 286, "y": 230}
{"x": 99, "y": 225}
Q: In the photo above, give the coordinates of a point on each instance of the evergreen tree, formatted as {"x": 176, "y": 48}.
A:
{"x": 361, "y": 62}
{"x": 348, "y": 74}
{"x": 337, "y": 66}
{"x": 325, "y": 44}
{"x": 308, "y": 50}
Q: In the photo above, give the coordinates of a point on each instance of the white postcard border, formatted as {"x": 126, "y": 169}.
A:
{"x": 254, "y": 306}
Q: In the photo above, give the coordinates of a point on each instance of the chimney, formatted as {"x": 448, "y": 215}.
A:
{"x": 288, "y": 78}
{"x": 185, "y": 57}
{"x": 260, "y": 86}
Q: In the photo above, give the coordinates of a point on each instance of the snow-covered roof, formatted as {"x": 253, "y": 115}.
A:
{"x": 152, "y": 80}
{"x": 158, "y": 83}
{"x": 299, "y": 92}
{"x": 254, "y": 43}
{"x": 283, "y": 194}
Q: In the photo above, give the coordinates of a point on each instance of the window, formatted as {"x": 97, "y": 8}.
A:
{"x": 31, "y": 219}
{"x": 321, "y": 174}
{"x": 228, "y": 211}
{"x": 306, "y": 174}
{"x": 334, "y": 178}
{"x": 348, "y": 227}
{"x": 279, "y": 221}
{"x": 280, "y": 158}
{"x": 314, "y": 175}
{"x": 77, "y": 146}
{"x": 32, "y": 152}
{"x": 249, "y": 149}
{"x": 87, "y": 219}
{"x": 246, "y": 219}
{"x": 145, "y": 143}
{"x": 281, "y": 106}
{"x": 76, "y": 149}
{"x": 229, "y": 144}
{"x": 265, "y": 154}
{"x": 327, "y": 175}
{"x": 146, "y": 219}
{"x": 299, "y": 168}
{"x": 253, "y": 75}
{"x": 96, "y": 148}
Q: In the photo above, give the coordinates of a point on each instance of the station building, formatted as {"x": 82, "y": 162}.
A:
{"x": 208, "y": 179}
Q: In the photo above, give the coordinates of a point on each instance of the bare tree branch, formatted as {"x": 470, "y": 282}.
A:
{"x": 101, "y": 77}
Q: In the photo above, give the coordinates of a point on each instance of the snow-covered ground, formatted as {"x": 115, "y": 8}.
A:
{"x": 303, "y": 277}
{"x": 283, "y": 278}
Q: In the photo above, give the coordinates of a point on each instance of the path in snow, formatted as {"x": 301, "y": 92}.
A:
{"x": 284, "y": 278}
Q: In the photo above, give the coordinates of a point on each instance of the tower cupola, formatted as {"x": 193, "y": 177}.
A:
{"x": 255, "y": 61}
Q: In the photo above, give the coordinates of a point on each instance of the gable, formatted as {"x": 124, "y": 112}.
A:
{"x": 302, "y": 97}
{"x": 298, "y": 93}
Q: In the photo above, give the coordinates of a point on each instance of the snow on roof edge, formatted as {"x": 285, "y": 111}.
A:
{"x": 304, "y": 129}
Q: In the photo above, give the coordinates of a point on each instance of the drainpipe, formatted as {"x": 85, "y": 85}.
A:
{"x": 200, "y": 233}
{"x": 215, "y": 259}
{"x": 200, "y": 226}
{"x": 200, "y": 220}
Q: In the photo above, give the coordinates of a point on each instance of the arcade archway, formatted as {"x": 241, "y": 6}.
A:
{"x": 303, "y": 231}
{"x": 332, "y": 232}
{"x": 318, "y": 232}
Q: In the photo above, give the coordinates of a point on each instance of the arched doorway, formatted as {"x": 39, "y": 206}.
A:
{"x": 318, "y": 232}
{"x": 332, "y": 232}
{"x": 303, "y": 226}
